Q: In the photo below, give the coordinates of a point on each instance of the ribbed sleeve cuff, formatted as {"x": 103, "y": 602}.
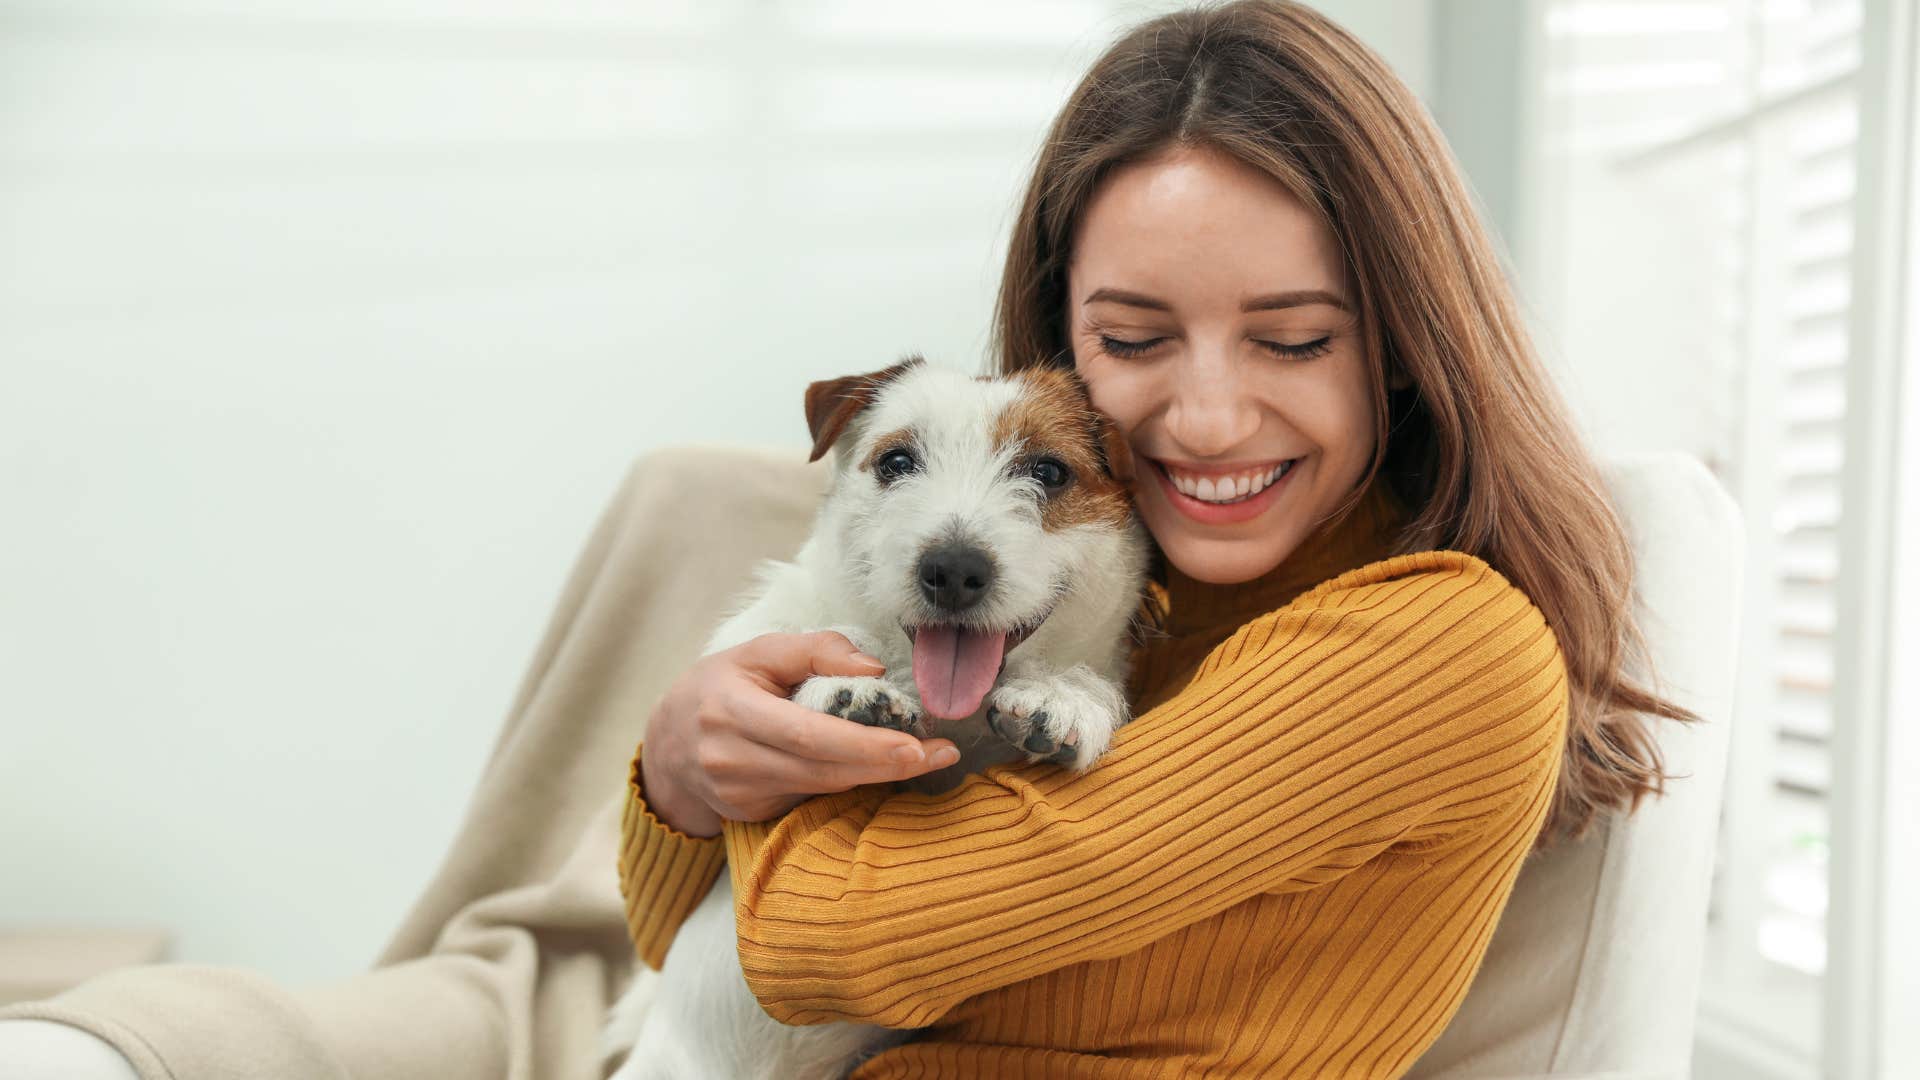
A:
{"x": 744, "y": 840}
{"x": 664, "y": 873}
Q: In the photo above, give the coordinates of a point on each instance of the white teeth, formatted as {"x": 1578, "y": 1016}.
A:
{"x": 1227, "y": 489}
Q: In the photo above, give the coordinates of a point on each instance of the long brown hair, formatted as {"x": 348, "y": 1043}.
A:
{"x": 1481, "y": 445}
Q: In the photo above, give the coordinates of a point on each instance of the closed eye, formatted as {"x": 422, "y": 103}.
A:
{"x": 1305, "y": 351}
{"x": 1120, "y": 348}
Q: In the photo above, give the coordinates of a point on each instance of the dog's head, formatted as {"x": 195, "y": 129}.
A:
{"x": 967, "y": 510}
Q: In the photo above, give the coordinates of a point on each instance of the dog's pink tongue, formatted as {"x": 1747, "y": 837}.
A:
{"x": 954, "y": 668}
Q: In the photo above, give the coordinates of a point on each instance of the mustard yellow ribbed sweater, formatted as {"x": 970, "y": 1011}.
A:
{"x": 1288, "y": 865}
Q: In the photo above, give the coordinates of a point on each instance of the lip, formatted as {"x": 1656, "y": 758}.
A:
{"x": 1207, "y": 513}
{"x": 1221, "y": 470}
{"x": 1015, "y": 636}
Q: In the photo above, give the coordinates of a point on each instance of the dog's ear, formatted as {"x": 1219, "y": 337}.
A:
{"x": 833, "y": 403}
{"x": 1115, "y": 454}
{"x": 1113, "y": 448}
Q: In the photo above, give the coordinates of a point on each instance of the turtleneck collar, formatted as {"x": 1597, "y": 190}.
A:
{"x": 1366, "y": 535}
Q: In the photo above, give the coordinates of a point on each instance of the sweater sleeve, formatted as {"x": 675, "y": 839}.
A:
{"x": 1404, "y": 703}
{"x": 664, "y": 873}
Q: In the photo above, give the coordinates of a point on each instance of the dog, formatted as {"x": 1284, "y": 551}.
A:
{"x": 978, "y": 537}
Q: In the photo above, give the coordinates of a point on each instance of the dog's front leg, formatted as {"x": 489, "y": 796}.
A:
{"x": 1066, "y": 716}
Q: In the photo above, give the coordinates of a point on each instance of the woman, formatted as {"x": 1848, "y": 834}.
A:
{"x": 1288, "y": 864}
{"x": 1380, "y": 680}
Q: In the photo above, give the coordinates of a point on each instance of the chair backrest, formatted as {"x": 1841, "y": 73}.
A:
{"x": 1594, "y": 970}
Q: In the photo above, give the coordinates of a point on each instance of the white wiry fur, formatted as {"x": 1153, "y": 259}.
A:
{"x": 697, "y": 1019}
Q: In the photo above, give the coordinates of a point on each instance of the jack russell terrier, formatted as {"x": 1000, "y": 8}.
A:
{"x": 977, "y": 537}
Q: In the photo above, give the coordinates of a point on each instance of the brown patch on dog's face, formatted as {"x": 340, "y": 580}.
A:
{"x": 833, "y": 403}
{"x": 1053, "y": 417}
{"x": 886, "y": 444}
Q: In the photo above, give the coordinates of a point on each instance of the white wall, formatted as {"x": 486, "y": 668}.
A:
{"x": 325, "y": 331}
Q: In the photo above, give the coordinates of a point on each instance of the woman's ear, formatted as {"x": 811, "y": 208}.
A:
{"x": 833, "y": 403}
{"x": 1397, "y": 377}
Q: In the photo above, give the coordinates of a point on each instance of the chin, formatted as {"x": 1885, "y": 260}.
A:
{"x": 1226, "y": 562}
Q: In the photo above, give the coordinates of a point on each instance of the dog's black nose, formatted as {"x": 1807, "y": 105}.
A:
{"x": 953, "y": 577}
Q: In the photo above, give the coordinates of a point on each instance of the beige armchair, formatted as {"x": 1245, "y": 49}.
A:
{"x": 1594, "y": 970}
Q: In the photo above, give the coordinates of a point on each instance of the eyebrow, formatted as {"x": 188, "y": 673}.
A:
{"x": 1269, "y": 302}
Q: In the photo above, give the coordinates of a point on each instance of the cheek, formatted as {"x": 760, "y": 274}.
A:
{"x": 1332, "y": 407}
{"x": 1358, "y": 409}
{"x": 1124, "y": 395}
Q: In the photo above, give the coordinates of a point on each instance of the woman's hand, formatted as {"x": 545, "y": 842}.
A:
{"x": 724, "y": 741}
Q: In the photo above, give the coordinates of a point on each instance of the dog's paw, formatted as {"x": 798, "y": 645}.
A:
{"x": 863, "y": 699}
{"x": 1052, "y": 721}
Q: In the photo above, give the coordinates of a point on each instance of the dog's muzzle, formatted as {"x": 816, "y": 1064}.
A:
{"x": 955, "y": 666}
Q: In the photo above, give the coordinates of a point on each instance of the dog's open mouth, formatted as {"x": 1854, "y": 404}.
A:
{"x": 954, "y": 666}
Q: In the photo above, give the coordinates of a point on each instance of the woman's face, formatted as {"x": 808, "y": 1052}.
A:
{"x": 1211, "y": 321}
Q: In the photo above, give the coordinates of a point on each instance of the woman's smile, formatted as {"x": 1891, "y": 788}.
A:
{"x": 1223, "y": 497}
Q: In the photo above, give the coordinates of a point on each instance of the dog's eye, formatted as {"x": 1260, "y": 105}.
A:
{"x": 1052, "y": 474}
{"x": 895, "y": 464}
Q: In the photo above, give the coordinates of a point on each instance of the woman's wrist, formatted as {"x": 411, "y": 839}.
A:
{"x": 676, "y": 808}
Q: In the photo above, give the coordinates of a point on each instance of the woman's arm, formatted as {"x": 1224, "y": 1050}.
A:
{"x": 1405, "y": 703}
{"x": 664, "y": 873}
{"x": 728, "y": 744}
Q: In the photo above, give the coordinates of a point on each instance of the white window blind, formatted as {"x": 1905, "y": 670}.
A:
{"x": 1735, "y": 122}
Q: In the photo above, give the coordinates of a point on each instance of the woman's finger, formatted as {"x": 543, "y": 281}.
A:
{"x": 817, "y": 736}
{"x": 781, "y": 662}
{"x": 762, "y": 769}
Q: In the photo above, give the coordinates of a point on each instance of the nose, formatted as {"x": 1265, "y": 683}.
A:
{"x": 1212, "y": 410}
{"x": 954, "y": 576}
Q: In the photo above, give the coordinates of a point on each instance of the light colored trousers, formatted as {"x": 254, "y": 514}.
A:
{"x": 48, "y": 1050}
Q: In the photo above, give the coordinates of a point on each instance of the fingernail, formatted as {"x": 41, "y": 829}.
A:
{"x": 906, "y": 753}
{"x": 865, "y": 659}
{"x": 945, "y": 756}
